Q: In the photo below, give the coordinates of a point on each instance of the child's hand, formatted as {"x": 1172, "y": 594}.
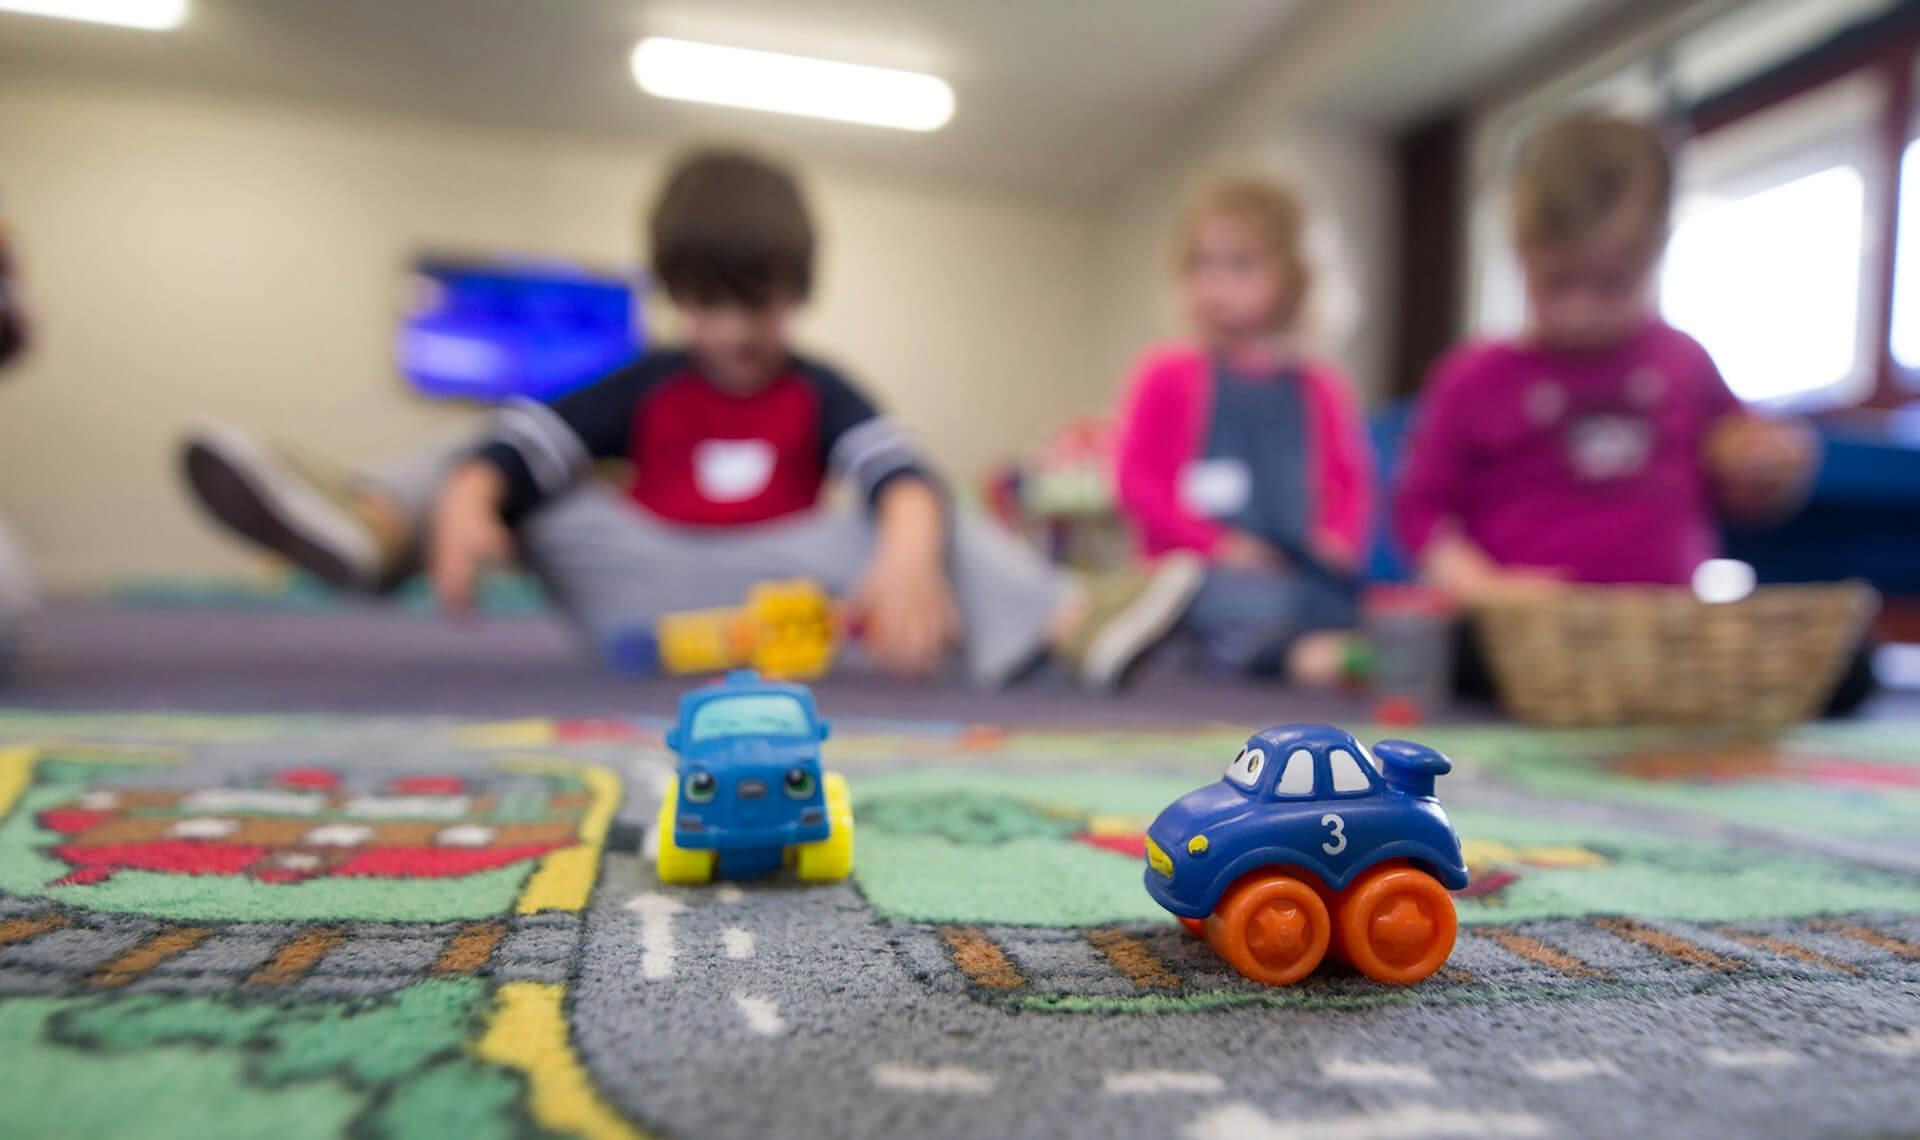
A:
{"x": 1517, "y": 584}
{"x": 1249, "y": 554}
{"x": 1334, "y": 554}
{"x": 1458, "y": 566}
{"x": 466, "y": 534}
{"x": 1760, "y": 467}
{"x": 908, "y": 612}
{"x": 903, "y": 598}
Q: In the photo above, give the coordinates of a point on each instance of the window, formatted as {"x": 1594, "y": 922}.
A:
{"x": 1297, "y": 779}
{"x": 1906, "y": 270}
{"x": 1769, "y": 265}
{"x": 750, "y": 716}
{"x": 1347, "y": 776}
{"x": 1769, "y": 282}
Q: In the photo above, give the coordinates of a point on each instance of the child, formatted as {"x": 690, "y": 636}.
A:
{"x": 1597, "y": 446}
{"x": 731, "y": 440}
{"x": 1242, "y": 450}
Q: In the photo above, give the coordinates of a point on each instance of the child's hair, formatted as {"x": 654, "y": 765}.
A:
{"x": 732, "y": 226}
{"x": 1576, "y": 173}
{"x": 1274, "y": 211}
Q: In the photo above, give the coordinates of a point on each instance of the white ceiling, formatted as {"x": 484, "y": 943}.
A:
{"x": 1055, "y": 97}
{"x": 1447, "y": 49}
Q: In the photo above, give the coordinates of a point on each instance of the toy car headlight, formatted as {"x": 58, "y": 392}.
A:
{"x": 1197, "y": 846}
{"x": 1158, "y": 859}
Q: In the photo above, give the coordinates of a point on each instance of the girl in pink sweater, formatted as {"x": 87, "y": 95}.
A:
{"x": 1241, "y": 450}
{"x": 1601, "y": 445}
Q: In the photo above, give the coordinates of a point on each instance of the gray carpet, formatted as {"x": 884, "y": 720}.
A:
{"x": 1620, "y": 972}
{"x": 1726, "y": 952}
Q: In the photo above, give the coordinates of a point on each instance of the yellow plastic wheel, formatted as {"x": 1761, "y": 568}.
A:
{"x": 831, "y": 859}
{"x": 674, "y": 863}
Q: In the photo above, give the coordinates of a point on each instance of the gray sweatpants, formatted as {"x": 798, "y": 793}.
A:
{"x": 617, "y": 569}
{"x": 1244, "y": 622}
{"x": 16, "y": 598}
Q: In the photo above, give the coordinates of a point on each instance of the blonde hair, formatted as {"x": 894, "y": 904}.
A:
{"x": 1576, "y": 173}
{"x": 1274, "y": 211}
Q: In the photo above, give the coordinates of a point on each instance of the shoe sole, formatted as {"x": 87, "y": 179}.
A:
{"x": 1144, "y": 624}
{"x": 247, "y": 492}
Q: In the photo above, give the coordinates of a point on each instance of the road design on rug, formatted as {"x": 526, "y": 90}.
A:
{"x": 374, "y": 929}
{"x": 306, "y": 949}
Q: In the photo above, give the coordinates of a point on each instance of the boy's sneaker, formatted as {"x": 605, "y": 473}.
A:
{"x": 303, "y": 510}
{"x": 1129, "y": 614}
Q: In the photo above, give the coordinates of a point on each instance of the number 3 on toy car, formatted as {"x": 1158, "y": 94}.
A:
{"x": 1338, "y": 839}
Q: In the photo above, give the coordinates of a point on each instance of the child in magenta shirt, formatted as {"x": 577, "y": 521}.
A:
{"x": 1239, "y": 449}
{"x": 1601, "y": 444}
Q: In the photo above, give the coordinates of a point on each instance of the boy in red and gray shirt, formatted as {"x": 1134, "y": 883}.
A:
{"x": 731, "y": 440}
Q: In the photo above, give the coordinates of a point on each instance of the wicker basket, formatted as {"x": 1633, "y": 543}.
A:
{"x": 1610, "y": 655}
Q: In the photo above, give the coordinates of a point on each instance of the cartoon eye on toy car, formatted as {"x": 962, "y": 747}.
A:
{"x": 1307, "y": 847}
{"x": 749, "y": 796}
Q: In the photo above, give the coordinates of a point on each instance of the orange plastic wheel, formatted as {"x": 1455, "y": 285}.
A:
{"x": 1196, "y": 927}
{"x": 1396, "y": 924}
{"x": 1271, "y": 927}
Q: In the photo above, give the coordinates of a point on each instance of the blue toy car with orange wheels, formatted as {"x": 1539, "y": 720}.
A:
{"x": 749, "y": 795}
{"x": 1313, "y": 845}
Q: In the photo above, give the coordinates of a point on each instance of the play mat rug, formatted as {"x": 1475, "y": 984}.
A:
{"x": 384, "y": 928}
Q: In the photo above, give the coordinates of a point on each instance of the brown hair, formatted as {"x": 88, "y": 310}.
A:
{"x": 1274, "y": 211}
{"x": 732, "y": 226}
{"x": 1576, "y": 173}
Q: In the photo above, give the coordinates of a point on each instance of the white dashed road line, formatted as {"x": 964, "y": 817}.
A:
{"x": 1749, "y": 1058}
{"x": 1161, "y": 1081}
{"x": 942, "y": 1079}
{"x": 1571, "y": 1068}
{"x": 1903, "y": 1044}
{"x": 737, "y": 941}
{"x": 1240, "y": 1121}
{"x": 1378, "y": 1073}
{"x": 656, "y": 913}
{"x": 762, "y": 1014}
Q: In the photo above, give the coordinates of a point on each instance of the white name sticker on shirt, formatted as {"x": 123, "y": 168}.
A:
{"x": 732, "y": 470}
{"x": 1216, "y": 488}
{"x": 1607, "y": 447}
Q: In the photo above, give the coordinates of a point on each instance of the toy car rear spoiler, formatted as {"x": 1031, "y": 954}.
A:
{"x": 1411, "y": 767}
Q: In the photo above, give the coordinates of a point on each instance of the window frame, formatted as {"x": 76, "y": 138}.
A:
{"x": 1886, "y": 49}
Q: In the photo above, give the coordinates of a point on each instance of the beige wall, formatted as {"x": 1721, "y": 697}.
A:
{"x": 197, "y": 257}
{"x": 1267, "y": 121}
{"x": 1347, "y": 177}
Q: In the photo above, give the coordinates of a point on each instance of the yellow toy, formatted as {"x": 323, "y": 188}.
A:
{"x": 785, "y": 629}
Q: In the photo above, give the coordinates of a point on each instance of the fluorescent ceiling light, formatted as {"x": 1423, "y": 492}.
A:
{"x": 153, "y": 15}
{"x": 791, "y": 84}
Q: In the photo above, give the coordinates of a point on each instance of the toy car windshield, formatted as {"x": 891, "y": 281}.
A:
{"x": 752, "y": 715}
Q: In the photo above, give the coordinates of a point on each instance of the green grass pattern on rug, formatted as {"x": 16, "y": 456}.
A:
{"x": 999, "y": 847}
{"x": 1849, "y": 781}
{"x": 245, "y": 1069}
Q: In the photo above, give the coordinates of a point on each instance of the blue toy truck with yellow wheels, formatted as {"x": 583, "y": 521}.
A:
{"x": 749, "y": 796}
{"x": 1312, "y": 845}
